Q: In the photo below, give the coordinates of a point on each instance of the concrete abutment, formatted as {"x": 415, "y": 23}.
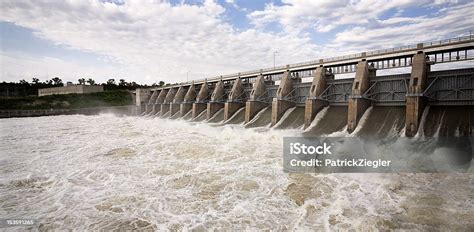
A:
{"x": 314, "y": 103}
{"x": 235, "y": 100}
{"x": 200, "y": 104}
{"x": 141, "y": 98}
{"x": 217, "y": 100}
{"x": 283, "y": 101}
{"x": 415, "y": 101}
{"x": 256, "y": 101}
{"x": 187, "y": 103}
{"x": 358, "y": 103}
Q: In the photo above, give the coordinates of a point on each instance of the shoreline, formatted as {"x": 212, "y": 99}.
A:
{"x": 124, "y": 110}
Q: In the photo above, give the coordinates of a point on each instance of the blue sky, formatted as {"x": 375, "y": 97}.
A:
{"x": 158, "y": 40}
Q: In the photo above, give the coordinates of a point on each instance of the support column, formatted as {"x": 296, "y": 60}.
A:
{"x": 314, "y": 103}
{"x": 280, "y": 104}
{"x": 254, "y": 104}
{"x": 168, "y": 99}
{"x": 159, "y": 100}
{"x": 200, "y": 104}
{"x": 415, "y": 101}
{"x": 142, "y": 96}
{"x": 178, "y": 98}
{"x": 189, "y": 98}
{"x": 217, "y": 99}
{"x": 357, "y": 103}
{"x": 236, "y": 99}
{"x": 151, "y": 102}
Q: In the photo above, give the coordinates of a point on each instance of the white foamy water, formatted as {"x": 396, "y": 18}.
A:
{"x": 106, "y": 172}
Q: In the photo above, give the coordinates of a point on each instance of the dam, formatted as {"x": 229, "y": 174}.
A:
{"x": 304, "y": 94}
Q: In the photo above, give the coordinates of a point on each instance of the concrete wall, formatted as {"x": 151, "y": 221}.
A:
{"x": 71, "y": 89}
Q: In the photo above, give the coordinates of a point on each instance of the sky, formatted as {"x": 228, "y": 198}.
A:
{"x": 148, "y": 41}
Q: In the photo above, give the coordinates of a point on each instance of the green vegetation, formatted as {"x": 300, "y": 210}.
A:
{"x": 25, "y": 88}
{"x": 68, "y": 101}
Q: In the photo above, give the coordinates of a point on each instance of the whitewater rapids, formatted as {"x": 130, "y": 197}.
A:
{"x": 105, "y": 172}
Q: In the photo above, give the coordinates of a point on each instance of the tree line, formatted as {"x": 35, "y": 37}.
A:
{"x": 25, "y": 88}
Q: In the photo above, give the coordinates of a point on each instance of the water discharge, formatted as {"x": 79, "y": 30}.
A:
{"x": 261, "y": 119}
{"x": 237, "y": 118}
{"x": 200, "y": 117}
{"x": 107, "y": 173}
{"x": 217, "y": 117}
{"x": 333, "y": 120}
{"x": 292, "y": 119}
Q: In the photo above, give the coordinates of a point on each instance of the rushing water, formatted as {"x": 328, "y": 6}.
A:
{"x": 106, "y": 172}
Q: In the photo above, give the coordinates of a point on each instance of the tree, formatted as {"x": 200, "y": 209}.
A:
{"x": 122, "y": 82}
{"x": 111, "y": 82}
{"x": 23, "y": 82}
{"x": 35, "y": 80}
{"x": 57, "y": 81}
{"x": 162, "y": 83}
{"x": 90, "y": 81}
{"x": 82, "y": 81}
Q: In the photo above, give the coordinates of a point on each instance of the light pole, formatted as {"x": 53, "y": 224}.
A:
{"x": 274, "y": 54}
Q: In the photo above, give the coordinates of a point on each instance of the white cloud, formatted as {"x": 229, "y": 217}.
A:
{"x": 364, "y": 28}
{"x": 156, "y": 38}
{"x": 449, "y": 23}
{"x": 17, "y": 66}
{"x": 325, "y": 15}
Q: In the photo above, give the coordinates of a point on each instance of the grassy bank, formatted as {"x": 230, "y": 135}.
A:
{"x": 68, "y": 101}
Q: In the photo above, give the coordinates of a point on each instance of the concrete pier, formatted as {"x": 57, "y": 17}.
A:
{"x": 415, "y": 101}
{"x": 177, "y": 100}
{"x": 200, "y": 104}
{"x": 235, "y": 100}
{"x": 189, "y": 98}
{"x": 314, "y": 103}
{"x": 281, "y": 102}
{"x": 165, "y": 107}
{"x": 357, "y": 102}
{"x": 255, "y": 104}
{"x": 217, "y": 100}
{"x": 141, "y": 98}
{"x": 151, "y": 102}
{"x": 159, "y": 101}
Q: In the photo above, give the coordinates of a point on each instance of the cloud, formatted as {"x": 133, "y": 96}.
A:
{"x": 156, "y": 38}
{"x": 323, "y": 16}
{"x": 149, "y": 41}
{"x": 17, "y": 66}
{"x": 368, "y": 24}
{"x": 400, "y": 31}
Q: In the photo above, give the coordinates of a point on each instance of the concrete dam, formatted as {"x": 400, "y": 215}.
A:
{"x": 307, "y": 95}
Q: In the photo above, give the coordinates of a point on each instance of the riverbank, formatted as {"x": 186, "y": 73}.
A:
{"x": 68, "y": 101}
{"x": 117, "y": 110}
{"x": 117, "y": 102}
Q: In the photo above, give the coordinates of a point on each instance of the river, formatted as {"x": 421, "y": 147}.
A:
{"x": 106, "y": 172}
